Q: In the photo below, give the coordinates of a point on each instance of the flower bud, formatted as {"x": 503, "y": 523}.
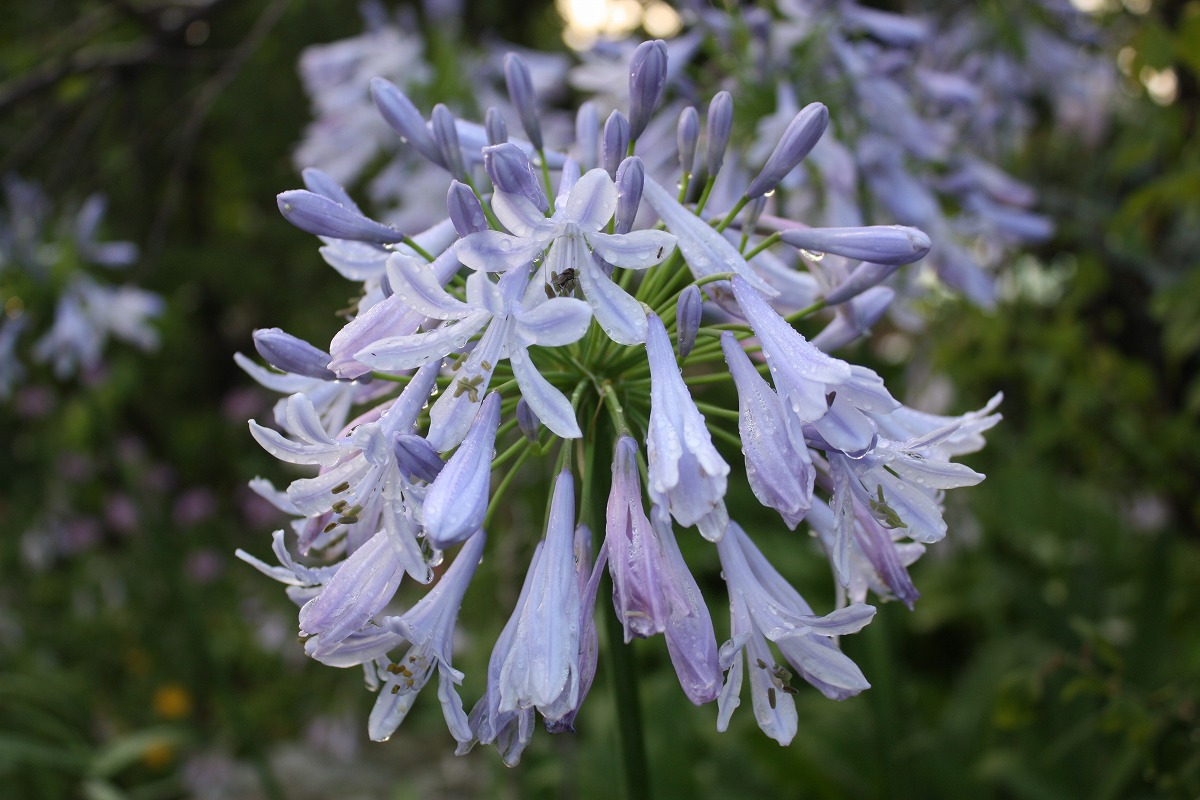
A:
{"x": 313, "y": 213}
{"x": 496, "y": 127}
{"x": 446, "y": 136}
{"x": 882, "y": 244}
{"x": 527, "y": 420}
{"x": 631, "y": 177}
{"x": 647, "y": 79}
{"x": 287, "y": 353}
{"x": 417, "y": 458}
{"x": 465, "y": 211}
{"x": 686, "y": 135}
{"x": 587, "y": 136}
{"x": 320, "y": 183}
{"x": 520, "y": 92}
{"x": 615, "y": 142}
{"x": 511, "y": 171}
{"x": 798, "y": 140}
{"x": 457, "y": 500}
{"x": 687, "y": 318}
{"x": 402, "y": 115}
{"x": 718, "y": 127}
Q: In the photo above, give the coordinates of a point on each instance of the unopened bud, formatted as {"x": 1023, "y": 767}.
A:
{"x": 882, "y": 244}
{"x": 687, "y": 134}
{"x": 290, "y": 354}
{"x": 495, "y": 126}
{"x": 402, "y": 115}
{"x": 416, "y": 457}
{"x": 465, "y": 211}
{"x": 527, "y": 420}
{"x": 446, "y": 136}
{"x": 687, "y": 318}
{"x": 647, "y": 79}
{"x": 631, "y": 177}
{"x": 316, "y": 214}
{"x": 520, "y": 92}
{"x": 615, "y": 142}
{"x": 512, "y": 172}
{"x": 717, "y": 129}
{"x": 587, "y": 136}
{"x": 802, "y": 134}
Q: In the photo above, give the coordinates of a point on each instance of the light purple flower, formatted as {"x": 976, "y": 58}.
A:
{"x": 574, "y": 229}
{"x": 564, "y": 710}
{"x": 801, "y": 372}
{"x": 778, "y": 465}
{"x": 429, "y": 627}
{"x": 691, "y": 642}
{"x": 686, "y": 471}
{"x": 287, "y": 353}
{"x": 457, "y": 499}
{"x": 782, "y": 616}
{"x": 642, "y": 595}
{"x": 542, "y": 668}
{"x": 513, "y": 325}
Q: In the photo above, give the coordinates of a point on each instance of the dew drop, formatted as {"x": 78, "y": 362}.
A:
{"x": 812, "y": 255}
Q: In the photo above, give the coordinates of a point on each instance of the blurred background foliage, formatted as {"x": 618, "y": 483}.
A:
{"x": 1054, "y": 652}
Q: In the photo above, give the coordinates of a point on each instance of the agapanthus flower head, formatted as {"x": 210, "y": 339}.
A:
{"x": 540, "y": 317}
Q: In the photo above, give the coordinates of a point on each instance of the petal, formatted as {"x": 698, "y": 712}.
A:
{"x": 457, "y": 499}
{"x": 705, "y": 249}
{"x": 556, "y": 322}
{"x": 494, "y": 251}
{"x": 406, "y": 352}
{"x": 850, "y": 619}
{"x": 418, "y": 287}
{"x": 593, "y": 201}
{"x": 294, "y": 452}
{"x": 635, "y": 250}
{"x": 452, "y": 413}
{"x": 359, "y": 590}
{"x": 551, "y": 406}
{"x": 520, "y": 216}
{"x": 275, "y": 381}
{"x": 618, "y": 314}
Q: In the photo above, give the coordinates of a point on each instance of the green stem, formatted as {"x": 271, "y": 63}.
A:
{"x": 421, "y": 251}
{"x": 684, "y": 181}
{"x": 733, "y": 212}
{"x": 546, "y": 177}
{"x": 804, "y": 312}
{"x": 703, "y": 201}
{"x": 503, "y": 485}
{"x": 614, "y": 408}
{"x": 763, "y": 245}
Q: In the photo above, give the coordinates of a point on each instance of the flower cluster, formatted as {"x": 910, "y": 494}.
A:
{"x": 925, "y": 107}
{"x": 43, "y": 266}
{"x": 561, "y": 307}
